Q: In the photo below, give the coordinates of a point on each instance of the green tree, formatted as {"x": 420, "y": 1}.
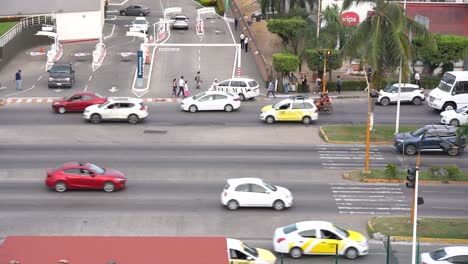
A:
{"x": 289, "y": 30}
{"x": 382, "y": 39}
{"x": 315, "y": 59}
{"x": 284, "y": 63}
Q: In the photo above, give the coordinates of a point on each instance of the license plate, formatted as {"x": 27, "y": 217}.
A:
{"x": 59, "y": 84}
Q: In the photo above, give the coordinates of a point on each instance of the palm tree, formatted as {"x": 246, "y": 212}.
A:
{"x": 334, "y": 29}
{"x": 381, "y": 38}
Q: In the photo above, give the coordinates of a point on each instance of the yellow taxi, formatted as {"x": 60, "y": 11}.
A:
{"x": 291, "y": 109}
{"x": 241, "y": 253}
{"x": 319, "y": 238}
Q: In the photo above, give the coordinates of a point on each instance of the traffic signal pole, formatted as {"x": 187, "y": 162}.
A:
{"x": 324, "y": 77}
{"x": 414, "y": 211}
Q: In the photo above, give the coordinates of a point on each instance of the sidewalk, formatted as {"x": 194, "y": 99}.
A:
{"x": 333, "y": 95}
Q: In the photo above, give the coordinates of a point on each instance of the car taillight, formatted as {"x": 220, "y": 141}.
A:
{"x": 143, "y": 107}
{"x": 279, "y": 240}
{"x": 236, "y": 99}
{"x": 248, "y": 90}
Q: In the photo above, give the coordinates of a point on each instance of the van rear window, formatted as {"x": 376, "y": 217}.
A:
{"x": 253, "y": 83}
{"x": 290, "y": 228}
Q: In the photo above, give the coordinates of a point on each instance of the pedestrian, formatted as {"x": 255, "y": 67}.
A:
{"x": 186, "y": 92}
{"x": 236, "y": 23}
{"x": 18, "y": 79}
{"x": 304, "y": 84}
{"x": 339, "y": 84}
{"x": 174, "y": 87}
{"x": 292, "y": 82}
{"x": 214, "y": 85}
{"x": 286, "y": 83}
{"x": 417, "y": 79}
{"x": 246, "y": 44}
{"x": 198, "y": 80}
{"x": 181, "y": 86}
{"x": 242, "y": 37}
{"x": 318, "y": 84}
{"x": 271, "y": 89}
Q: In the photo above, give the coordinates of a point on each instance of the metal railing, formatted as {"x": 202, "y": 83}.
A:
{"x": 262, "y": 65}
{"x": 23, "y": 23}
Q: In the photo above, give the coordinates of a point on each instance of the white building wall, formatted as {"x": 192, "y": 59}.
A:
{"x": 360, "y": 9}
{"x": 79, "y": 25}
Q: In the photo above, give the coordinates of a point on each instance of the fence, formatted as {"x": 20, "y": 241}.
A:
{"x": 262, "y": 65}
{"x": 25, "y": 22}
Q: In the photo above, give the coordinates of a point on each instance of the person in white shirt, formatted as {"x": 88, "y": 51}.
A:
{"x": 242, "y": 37}
{"x": 246, "y": 44}
{"x": 417, "y": 78}
{"x": 214, "y": 86}
{"x": 181, "y": 86}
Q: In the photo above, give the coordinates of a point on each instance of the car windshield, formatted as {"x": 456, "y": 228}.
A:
{"x": 418, "y": 132}
{"x": 389, "y": 88}
{"x": 198, "y": 96}
{"x": 271, "y": 187}
{"x": 57, "y": 168}
{"x": 60, "y": 69}
{"x": 278, "y": 104}
{"x": 103, "y": 105}
{"x": 96, "y": 168}
{"x": 180, "y": 18}
{"x": 141, "y": 22}
{"x": 438, "y": 254}
{"x": 444, "y": 87}
{"x": 251, "y": 250}
{"x": 341, "y": 231}
{"x": 461, "y": 110}
{"x": 290, "y": 228}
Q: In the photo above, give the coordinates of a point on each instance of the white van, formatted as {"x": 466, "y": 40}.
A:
{"x": 452, "y": 92}
{"x": 244, "y": 87}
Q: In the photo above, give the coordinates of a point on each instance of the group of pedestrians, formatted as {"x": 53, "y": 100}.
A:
{"x": 244, "y": 42}
{"x": 180, "y": 87}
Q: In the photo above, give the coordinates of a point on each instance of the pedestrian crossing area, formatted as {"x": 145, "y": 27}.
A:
{"x": 370, "y": 198}
{"x": 348, "y": 158}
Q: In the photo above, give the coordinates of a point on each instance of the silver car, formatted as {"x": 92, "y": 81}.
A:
{"x": 180, "y": 22}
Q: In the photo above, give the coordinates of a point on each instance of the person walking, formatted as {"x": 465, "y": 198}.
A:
{"x": 18, "y": 79}
{"x": 292, "y": 82}
{"x": 318, "y": 85}
{"x": 271, "y": 89}
{"x": 214, "y": 85}
{"x": 174, "y": 87}
{"x": 286, "y": 83}
{"x": 339, "y": 84}
{"x": 246, "y": 44}
{"x": 236, "y": 23}
{"x": 186, "y": 92}
{"x": 242, "y": 37}
{"x": 181, "y": 86}
{"x": 417, "y": 79}
{"x": 304, "y": 84}
{"x": 198, "y": 81}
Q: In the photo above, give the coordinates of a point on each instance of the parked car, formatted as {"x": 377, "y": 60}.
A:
{"x": 135, "y": 10}
{"x": 446, "y": 255}
{"x": 84, "y": 175}
{"x": 244, "y": 87}
{"x": 242, "y": 253}
{"x": 117, "y": 109}
{"x": 140, "y": 24}
{"x": 293, "y": 109}
{"x": 451, "y": 93}
{"x": 61, "y": 75}
{"x": 430, "y": 138}
{"x": 211, "y": 100}
{"x": 254, "y": 192}
{"x": 455, "y": 117}
{"x": 409, "y": 93}
{"x": 77, "y": 102}
{"x": 180, "y": 22}
{"x": 319, "y": 238}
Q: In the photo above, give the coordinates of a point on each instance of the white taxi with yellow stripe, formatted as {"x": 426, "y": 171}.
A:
{"x": 293, "y": 109}
{"x": 319, "y": 238}
{"x": 241, "y": 253}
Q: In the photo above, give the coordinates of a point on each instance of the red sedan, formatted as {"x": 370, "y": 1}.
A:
{"x": 77, "y": 102}
{"x": 84, "y": 175}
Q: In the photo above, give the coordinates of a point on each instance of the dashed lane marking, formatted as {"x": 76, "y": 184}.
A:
{"x": 44, "y": 100}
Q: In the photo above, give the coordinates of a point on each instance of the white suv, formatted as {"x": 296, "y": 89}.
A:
{"x": 123, "y": 108}
{"x": 244, "y": 87}
{"x": 140, "y": 24}
{"x": 409, "y": 93}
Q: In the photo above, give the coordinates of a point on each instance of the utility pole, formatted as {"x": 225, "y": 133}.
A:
{"x": 319, "y": 13}
{"x": 324, "y": 77}
{"x": 368, "y": 127}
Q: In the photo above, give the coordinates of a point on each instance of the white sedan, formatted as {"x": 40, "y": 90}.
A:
{"x": 455, "y": 117}
{"x": 255, "y": 192}
{"x": 446, "y": 255}
{"x": 211, "y": 100}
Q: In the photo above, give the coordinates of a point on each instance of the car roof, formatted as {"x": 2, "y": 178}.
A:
{"x": 124, "y": 99}
{"x": 459, "y": 74}
{"x": 74, "y": 164}
{"x": 407, "y": 85}
{"x": 313, "y": 224}
{"x": 140, "y": 18}
{"x": 297, "y": 100}
{"x": 440, "y": 128}
{"x": 456, "y": 250}
{"x": 234, "y": 243}
{"x": 244, "y": 180}
{"x": 217, "y": 92}
{"x": 239, "y": 79}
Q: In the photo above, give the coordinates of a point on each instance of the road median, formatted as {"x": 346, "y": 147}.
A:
{"x": 449, "y": 174}
{"x": 346, "y": 134}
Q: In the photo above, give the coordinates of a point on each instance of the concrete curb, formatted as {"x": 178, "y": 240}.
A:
{"x": 2, "y": 101}
{"x": 322, "y": 132}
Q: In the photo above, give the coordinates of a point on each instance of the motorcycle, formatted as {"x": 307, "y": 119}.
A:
{"x": 324, "y": 104}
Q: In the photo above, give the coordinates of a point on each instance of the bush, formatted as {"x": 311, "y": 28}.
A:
{"x": 220, "y": 7}
{"x": 434, "y": 173}
{"x": 391, "y": 171}
{"x": 208, "y": 2}
{"x": 452, "y": 172}
{"x": 285, "y": 62}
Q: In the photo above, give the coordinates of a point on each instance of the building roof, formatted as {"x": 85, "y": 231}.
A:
{"x": 86, "y": 249}
{"x": 36, "y": 7}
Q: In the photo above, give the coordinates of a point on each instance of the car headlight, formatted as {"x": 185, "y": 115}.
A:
{"x": 51, "y": 79}
{"x": 120, "y": 179}
{"x": 399, "y": 140}
{"x": 67, "y": 79}
{"x": 56, "y": 103}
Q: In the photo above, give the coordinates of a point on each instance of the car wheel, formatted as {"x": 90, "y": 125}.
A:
{"x": 228, "y": 108}
{"x": 351, "y": 253}
{"x": 233, "y": 205}
{"x": 454, "y": 122}
{"x": 270, "y": 119}
{"x": 123, "y": 13}
{"x": 242, "y": 97}
{"x": 278, "y": 205}
{"x": 452, "y": 152}
{"x": 193, "y": 109}
{"x": 109, "y": 187}
{"x": 96, "y": 119}
{"x": 410, "y": 150}
{"x": 133, "y": 119}
{"x": 417, "y": 100}
{"x": 449, "y": 106}
{"x": 62, "y": 110}
{"x": 296, "y": 252}
{"x": 60, "y": 186}
{"x": 384, "y": 101}
{"x": 306, "y": 120}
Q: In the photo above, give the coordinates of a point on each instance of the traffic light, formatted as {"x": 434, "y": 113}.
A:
{"x": 321, "y": 55}
{"x": 329, "y": 57}
{"x": 329, "y": 53}
{"x": 411, "y": 178}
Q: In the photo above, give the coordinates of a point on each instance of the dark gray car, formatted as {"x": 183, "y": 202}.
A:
{"x": 135, "y": 10}
{"x": 61, "y": 75}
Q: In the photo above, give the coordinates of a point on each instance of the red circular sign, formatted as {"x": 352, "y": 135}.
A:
{"x": 350, "y": 19}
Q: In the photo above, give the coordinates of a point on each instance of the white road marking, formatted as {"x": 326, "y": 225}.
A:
{"x": 90, "y": 77}
{"x": 40, "y": 77}
{"x": 372, "y": 213}
{"x": 375, "y": 208}
{"x": 365, "y": 192}
{"x": 3, "y": 87}
{"x": 450, "y": 208}
{"x": 350, "y": 158}
{"x": 118, "y": 4}
{"x": 113, "y": 89}
{"x": 20, "y": 92}
{"x": 112, "y": 32}
{"x": 58, "y": 90}
{"x": 364, "y": 184}
{"x": 86, "y": 88}
{"x": 368, "y": 200}
{"x": 365, "y": 188}
{"x": 169, "y": 49}
{"x": 442, "y": 192}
